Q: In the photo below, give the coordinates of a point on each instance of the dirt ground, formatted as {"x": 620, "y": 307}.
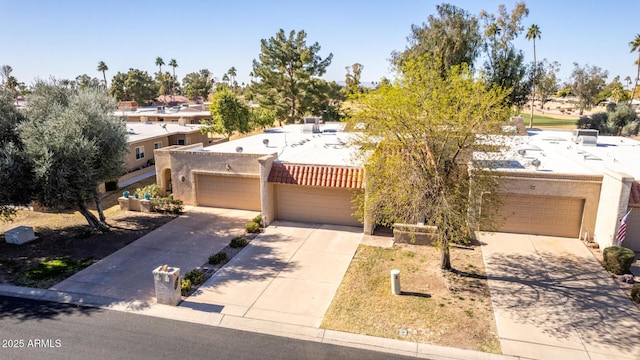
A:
{"x": 66, "y": 234}
{"x": 443, "y": 308}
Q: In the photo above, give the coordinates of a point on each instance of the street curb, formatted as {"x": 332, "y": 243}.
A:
{"x": 392, "y": 346}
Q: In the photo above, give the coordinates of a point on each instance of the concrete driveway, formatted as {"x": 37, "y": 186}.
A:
{"x": 553, "y": 300}
{"x": 185, "y": 242}
{"x": 288, "y": 274}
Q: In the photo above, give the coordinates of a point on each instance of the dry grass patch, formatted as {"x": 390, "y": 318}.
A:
{"x": 450, "y": 309}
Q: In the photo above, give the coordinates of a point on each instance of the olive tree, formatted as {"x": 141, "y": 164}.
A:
{"x": 73, "y": 142}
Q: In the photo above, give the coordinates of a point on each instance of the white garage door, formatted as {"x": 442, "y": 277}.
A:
{"x": 539, "y": 215}
{"x": 228, "y": 192}
{"x": 315, "y": 204}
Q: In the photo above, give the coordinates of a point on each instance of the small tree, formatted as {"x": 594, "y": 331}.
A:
{"x": 422, "y": 131}
{"x": 586, "y": 83}
{"x": 229, "y": 115}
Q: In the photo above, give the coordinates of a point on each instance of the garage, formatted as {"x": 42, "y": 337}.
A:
{"x": 315, "y": 204}
{"x": 231, "y": 192}
{"x": 632, "y": 240}
{"x": 539, "y": 215}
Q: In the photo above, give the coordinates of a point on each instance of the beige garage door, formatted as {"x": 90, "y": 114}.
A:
{"x": 632, "y": 240}
{"x": 228, "y": 192}
{"x": 540, "y": 215}
{"x": 315, "y": 204}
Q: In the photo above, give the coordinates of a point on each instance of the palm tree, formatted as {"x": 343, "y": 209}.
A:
{"x": 635, "y": 45}
{"x": 174, "y": 64}
{"x": 532, "y": 34}
{"x": 103, "y": 67}
{"x": 159, "y": 62}
{"x": 232, "y": 74}
{"x": 627, "y": 80}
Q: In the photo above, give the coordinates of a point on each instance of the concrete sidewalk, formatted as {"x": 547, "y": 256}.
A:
{"x": 185, "y": 242}
{"x": 553, "y": 300}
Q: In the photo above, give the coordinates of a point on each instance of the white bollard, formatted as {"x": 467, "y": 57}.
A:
{"x": 395, "y": 282}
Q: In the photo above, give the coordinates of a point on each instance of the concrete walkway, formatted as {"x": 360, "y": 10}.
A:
{"x": 185, "y": 242}
{"x": 288, "y": 274}
{"x": 553, "y": 300}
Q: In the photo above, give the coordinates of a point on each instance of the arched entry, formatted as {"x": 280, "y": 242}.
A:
{"x": 166, "y": 185}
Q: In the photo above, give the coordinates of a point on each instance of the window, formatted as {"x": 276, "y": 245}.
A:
{"x": 180, "y": 141}
{"x": 140, "y": 153}
{"x": 157, "y": 145}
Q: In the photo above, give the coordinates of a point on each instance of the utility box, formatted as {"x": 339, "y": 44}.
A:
{"x": 395, "y": 282}
{"x": 19, "y": 235}
{"x": 167, "y": 283}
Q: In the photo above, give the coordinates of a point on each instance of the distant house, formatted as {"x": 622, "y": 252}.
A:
{"x": 144, "y": 138}
{"x": 184, "y": 114}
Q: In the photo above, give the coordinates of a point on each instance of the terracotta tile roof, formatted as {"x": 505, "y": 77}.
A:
{"x": 317, "y": 175}
{"x": 634, "y": 197}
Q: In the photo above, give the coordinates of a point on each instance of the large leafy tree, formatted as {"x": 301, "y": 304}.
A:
{"x": 547, "y": 80}
{"x": 532, "y": 33}
{"x": 504, "y": 65}
{"x": 102, "y": 67}
{"x": 451, "y": 37}
{"x": 420, "y": 134}
{"x": 229, "y": 115}
{"x": 635, "y": 46}
{"x": 85, "y": 81}
{"x": 198, "y": 84}
{"x": 586, "y": 82}
{"x": 134, "y": 85}
{"x": 284, "y": 71}
{"x": 74, "y": 143}
{"x": 15, "y": 170}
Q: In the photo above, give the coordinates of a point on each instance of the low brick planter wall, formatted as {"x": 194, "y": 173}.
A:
{"x": 415, "y": 234}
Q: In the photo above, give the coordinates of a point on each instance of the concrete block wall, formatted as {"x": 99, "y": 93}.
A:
{"x": 614, "y": 201}
{"x": 267, "y": 197}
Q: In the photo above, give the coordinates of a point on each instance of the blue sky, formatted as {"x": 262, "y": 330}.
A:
{"x": 68, "y": 38}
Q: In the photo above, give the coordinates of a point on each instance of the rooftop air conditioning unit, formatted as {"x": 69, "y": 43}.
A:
{"x": 577, "y": 133}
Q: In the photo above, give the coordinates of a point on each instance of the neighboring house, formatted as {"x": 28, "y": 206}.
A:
{"x": 144, "y": 138}
{"x": 288, "y": 173}
{"x": 558, "y": 185}
{"x": 184, "y": 114}
{"x": 578, "y": 190}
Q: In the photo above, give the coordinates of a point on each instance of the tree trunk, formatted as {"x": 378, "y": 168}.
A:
{"x": 533, "y": 84}
{"x": 91, "y": 219}
{"x": 103, "y": 218}
{"x": 446, "y": 255}
{"x": 633, "y": 93}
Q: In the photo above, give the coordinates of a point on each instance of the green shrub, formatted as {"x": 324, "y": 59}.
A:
{"x": 635, "y": 293}
{"x": 252, "y": 228}
{"x": 258, "y": 220}
{"x": 185, "y": 287}
{"x": 238, "y": 242}
{"x": 152, "y": 189}
{"x": 617, "y": 259}
{"x": 195, "y": 276}
{"x": 167, "y": 205}
{"x": 218, "y": 258}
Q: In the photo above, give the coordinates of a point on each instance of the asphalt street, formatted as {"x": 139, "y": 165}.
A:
{"x": 31, "y": 329}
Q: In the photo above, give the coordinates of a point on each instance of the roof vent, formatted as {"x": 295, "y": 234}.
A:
{"x": 239, "y": 149}
{"x": 265, "y": 142}
{"x": 536, "y": 163}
